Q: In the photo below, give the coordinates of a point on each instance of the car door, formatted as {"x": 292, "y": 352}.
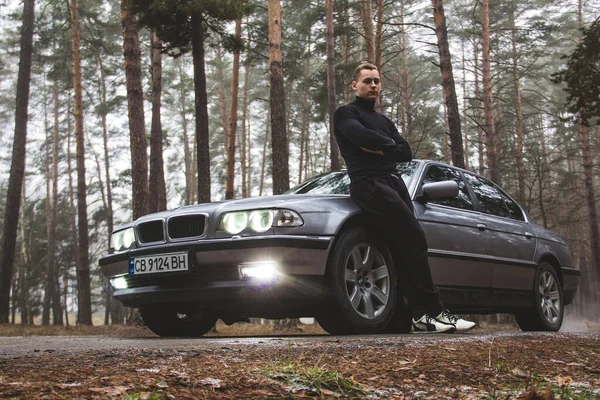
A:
{"x": 458, "y": 245}
{"x": 514, "y": 240}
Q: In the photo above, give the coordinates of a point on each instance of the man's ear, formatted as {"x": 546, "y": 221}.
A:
{"x": 353, "y": 85}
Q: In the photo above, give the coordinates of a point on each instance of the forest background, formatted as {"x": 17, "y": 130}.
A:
{"x": 136, "y": 106}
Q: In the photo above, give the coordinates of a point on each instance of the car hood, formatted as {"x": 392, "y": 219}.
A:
{"x": 303, "y": 203}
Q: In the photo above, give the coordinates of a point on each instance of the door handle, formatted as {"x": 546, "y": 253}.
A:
{"x": 482, "y": 227}
{"x": 529, "y": 235}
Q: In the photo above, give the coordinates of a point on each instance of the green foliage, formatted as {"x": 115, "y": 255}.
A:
{"x": 582, "y": 76}
{"x": 172, "y": 20}
{"x": 315, "y": 379}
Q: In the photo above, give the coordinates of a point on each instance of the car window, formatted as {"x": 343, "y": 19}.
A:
{"x": 332, "y": 183}
{"x": 489, "y": 197}
{"x": 339, "y": 182}
{"x": 513, "y": 207}
{"x": 439, "y": 173}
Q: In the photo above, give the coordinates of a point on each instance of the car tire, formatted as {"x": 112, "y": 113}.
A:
{"x": 169, "y": 322}
{"x": 548, "y": 310}
{"x": 362, "y": 279}
{"x": 402, "y": 320}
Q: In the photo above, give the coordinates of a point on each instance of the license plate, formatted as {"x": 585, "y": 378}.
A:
{"x": 158, "y": 263}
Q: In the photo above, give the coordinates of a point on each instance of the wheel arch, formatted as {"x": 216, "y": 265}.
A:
{"x": 358, "y": 220}
{"x": 553, "y": 261}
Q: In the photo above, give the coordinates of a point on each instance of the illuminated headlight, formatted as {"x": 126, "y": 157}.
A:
{"x": 261, "y": 220}
{"x": 264, "y": 272}
{"x": 258, "y": 221}
{"x": 119, "y": 282}
{"x": 235, "y": 222}
{"x": 122, "y": 240}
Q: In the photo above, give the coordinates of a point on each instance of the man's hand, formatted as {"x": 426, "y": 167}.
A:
{"x": 378, "y": 152}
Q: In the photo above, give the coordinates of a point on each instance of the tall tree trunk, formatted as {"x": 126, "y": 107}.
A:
{"x": 235, "y": 81}
{"x": 279, "y": 137}
{"x": 52, "y": 211}
{"x": 366, "y": 17}
{"x": 488, "y": 102}
{"x": 135, "y": 106}
{"x": 106, "y": 286}
{"x": 223, "y": 105}
{"x": 201, "y": 105}
{"x": 48, "y": 281}
{"x": 477, "y": 107}
{"x": 331, "y": 106}
{"x": 84, "y": 298}
{"x": 187, "y": 155}
{"x": 458, "y": 158}
{"x": 406, "y": 112}
{"x": 72, "y": 207}
{"x": 447, "y": 150}
{"x": 465, "y": 106}
{"x": 158, "y": 200}
{"x": 518, "y": 107}
{"x": 345, "y": 61}
{"x": 114, "y": 308}
{"x": 591, "y": 271}
{"x": 17, "y": 167}
{"x": 379, "y": 37}
{"x": 264, "y": 155}
{"x": 23, "y": 268}
{"x": 244, "y": 153}
{"x": 305, "y": 113}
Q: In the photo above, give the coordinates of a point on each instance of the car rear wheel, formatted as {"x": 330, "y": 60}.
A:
{"x": 171, "y": 322}
{"x": 548, "y": 310}
{"x": 362, "y": 280}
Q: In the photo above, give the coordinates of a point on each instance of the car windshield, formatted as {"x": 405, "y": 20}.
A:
{"x": 339, "y": 182}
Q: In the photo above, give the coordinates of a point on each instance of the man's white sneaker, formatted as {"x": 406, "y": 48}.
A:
{"x": 460, "y": 325}
{"x": 429, "y": 324}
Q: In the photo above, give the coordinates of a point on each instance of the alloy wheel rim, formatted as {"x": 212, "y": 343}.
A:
{"x": 550, "y": 297}
{"x": 367, "y": 280}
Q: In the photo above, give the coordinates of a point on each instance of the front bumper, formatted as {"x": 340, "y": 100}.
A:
{"x": 571, "y": 280}
{"x": 213, "y": 277}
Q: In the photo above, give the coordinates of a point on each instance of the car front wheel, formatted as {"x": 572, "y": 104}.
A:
{"x": 548, "y": 310}
{"x": 362, "y": 279}
{"x": 170, "y": 322}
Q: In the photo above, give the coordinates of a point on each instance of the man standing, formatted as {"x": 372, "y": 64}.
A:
{"x": 371, "y": 146}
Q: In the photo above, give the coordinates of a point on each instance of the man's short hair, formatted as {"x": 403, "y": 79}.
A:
{"x": 358, "y": 70}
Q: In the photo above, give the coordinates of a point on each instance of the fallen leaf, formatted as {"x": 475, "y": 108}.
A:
{"x": 216, "y": 383}
{"x": 519, "y": 372}
{"x": 109, "y": 391}
{"x": 68, "y": 385}
{"x": 564, "y": 380}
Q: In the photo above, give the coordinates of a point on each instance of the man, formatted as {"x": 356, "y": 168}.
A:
{"x": 371, "y": 147}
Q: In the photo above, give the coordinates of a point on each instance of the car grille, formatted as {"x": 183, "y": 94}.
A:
{"x": 182, "y": 280}
{"x": 179, "y": 227}
{"x": 186, "y": 226}
{"x": 151, "y": 231}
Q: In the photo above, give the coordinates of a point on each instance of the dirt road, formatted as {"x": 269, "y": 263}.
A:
{"x": 476, "y": 365}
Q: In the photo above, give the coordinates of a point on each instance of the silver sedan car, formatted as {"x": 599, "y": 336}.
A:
{"x": 312, "y": 252}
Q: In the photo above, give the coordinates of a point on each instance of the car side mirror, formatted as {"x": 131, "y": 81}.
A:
{"x": 438, "y": 191}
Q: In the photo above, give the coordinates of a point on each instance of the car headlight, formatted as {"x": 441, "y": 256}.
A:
{"x": 122, "y": 240}
{"x": 235, "y": 222}
{"x": 261, "y": 220}
{"x": 258, "y": 221}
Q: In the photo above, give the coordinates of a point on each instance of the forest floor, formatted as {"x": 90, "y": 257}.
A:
{"x": 251, "y": 361}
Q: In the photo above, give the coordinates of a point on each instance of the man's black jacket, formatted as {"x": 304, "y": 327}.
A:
{"x": 356, "y": 126}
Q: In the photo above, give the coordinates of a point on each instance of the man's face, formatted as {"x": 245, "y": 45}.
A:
{"x": 368, "y": 84}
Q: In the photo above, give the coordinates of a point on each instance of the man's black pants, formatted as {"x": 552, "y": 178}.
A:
{"x": 387, "y": 203}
